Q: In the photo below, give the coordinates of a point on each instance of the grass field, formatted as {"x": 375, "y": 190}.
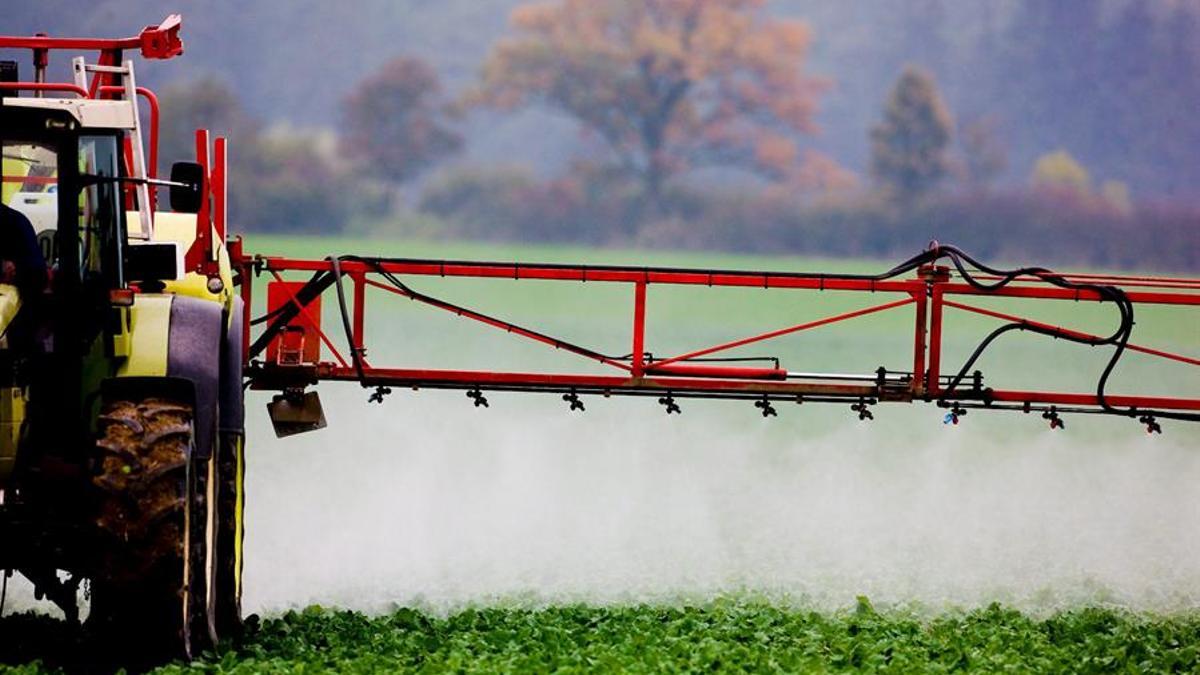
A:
{"x": 524, "y": 539}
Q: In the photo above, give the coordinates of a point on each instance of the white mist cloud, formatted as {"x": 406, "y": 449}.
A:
{"x": 427, "y": 501}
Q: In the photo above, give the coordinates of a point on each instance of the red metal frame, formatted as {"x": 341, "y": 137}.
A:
{"x": 65, "y": 87}
{"x": 154, "y": 42}
{"x": 150, "y": 96}
{"x": 929, "y": 295}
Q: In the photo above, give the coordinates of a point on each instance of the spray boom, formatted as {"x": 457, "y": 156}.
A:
{"x": 931, "y": 282}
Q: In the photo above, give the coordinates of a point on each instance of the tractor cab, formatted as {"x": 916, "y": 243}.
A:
{"x": 72, "y": 178}
{"x": 64, "y": 181}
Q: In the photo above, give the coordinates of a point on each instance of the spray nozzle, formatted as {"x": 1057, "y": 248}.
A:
{"x": 954, "y": 414}
{"x": 380, "y": 392}
{"x": 1152, "y": 426}
{"x": 864, "y": 410}
{"x": 668, "y": 402}
{"x": 768, "y": 410}
{"x": 573, "y": 399}
{"x": 478, "y": 397}
{"x": 1055, "y": 421}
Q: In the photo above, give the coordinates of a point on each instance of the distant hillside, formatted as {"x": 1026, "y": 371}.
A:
{"x": 1115, "y": 83}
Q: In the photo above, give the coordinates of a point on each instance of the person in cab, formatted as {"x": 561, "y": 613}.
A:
{"x": 20, "y": 255}
{"x": 21, "y": 266}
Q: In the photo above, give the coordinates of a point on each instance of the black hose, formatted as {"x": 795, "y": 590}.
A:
{"x": 1119, "y": 338}
{"x": 355, "y": 351}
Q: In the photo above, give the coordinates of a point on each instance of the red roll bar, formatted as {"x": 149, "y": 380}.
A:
{"x": 155, "y": 42}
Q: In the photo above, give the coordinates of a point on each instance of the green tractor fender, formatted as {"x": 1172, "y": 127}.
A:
{"x": 176, "y": 337}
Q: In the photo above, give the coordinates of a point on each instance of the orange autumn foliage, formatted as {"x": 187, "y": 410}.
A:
{"x": 668, "y": 85}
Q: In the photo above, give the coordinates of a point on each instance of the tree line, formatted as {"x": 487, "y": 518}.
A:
{"x": 696, "y": 121}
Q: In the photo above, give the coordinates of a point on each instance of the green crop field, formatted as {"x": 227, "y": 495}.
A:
{"x": 722, "y": 636}
{"x": 522, "y": 538}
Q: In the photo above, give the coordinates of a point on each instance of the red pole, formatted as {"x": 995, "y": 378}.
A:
{"x": 219, "y": 205}
{"x": 918, "y": 381}
{"x": 44, "y": 86}
{"x": 932, "y": 386}
{"x": 246, "y": 278}
{"x": 198, "y": 254}
{"x": 639, "y": 328}
{"x": 246, "y": 314}
{"x": 152, "y": 101}
{"x": 360, "y": 302}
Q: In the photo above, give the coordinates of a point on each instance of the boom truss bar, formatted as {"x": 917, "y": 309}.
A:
{"x": 783, "y": 331}
{"x": 1011, "y": 317}
{"x": 929, "y": 290}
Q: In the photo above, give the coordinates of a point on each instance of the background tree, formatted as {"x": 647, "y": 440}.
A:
{"x": 209, "y": 103}
{"x": 395, "y": 121}
{"x": 668, "y": 85}
{"x": 909, "y": 147}
{"x": 984, "y": 156}
{"x": 1117, "y": 196}
{"x": 1058, "y": 171}
{"x": 206, "y": 103}
{"x": 280, "y": 179}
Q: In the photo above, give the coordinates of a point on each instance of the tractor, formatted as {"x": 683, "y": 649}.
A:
{"x": 121, "y": 456}
{"x": 126, "y": 349}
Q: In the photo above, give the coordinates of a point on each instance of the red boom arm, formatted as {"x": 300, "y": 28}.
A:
{"x": 928, "y": 292}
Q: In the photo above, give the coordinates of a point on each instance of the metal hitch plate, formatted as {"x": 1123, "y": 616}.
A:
{"x": 296, "y": 414}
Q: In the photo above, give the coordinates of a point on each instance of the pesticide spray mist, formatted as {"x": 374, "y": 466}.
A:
{"x": 428, "y": 502}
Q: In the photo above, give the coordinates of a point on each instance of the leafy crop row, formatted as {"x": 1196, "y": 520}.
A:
{"x": 722, "y": 636}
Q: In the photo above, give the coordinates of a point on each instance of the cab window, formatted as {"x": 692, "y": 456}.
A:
{"x": 99, "y": 208}
{"x": 30, "y": 185}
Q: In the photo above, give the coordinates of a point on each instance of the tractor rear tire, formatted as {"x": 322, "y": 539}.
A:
{"x": 151, "y": 596}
